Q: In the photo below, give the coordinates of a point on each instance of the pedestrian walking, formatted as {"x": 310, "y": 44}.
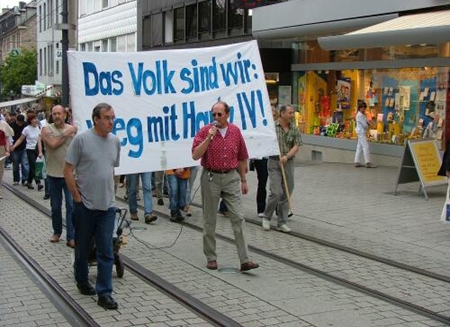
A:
{"x": 89, "y": 173}
{"x": 289, "y": 141}
{"x": 223, "y": 177}
{"x": 5, "y": 133}
{"x": 19, "y": 155}
{"x": 33, "y": 146}
{"x": 133, "y": 193}
{"x": 178, "y": 183}
{"x": 362, "y": 146}
{"x": 57, "y": 137}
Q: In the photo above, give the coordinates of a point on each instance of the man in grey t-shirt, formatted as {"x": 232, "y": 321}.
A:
{"x": 89, "y": 174}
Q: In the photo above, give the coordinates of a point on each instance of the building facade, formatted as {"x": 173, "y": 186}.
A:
{"x": 393, "y": 56}
{"x": 107, "y": 25}
{"x": 49, "y": 46}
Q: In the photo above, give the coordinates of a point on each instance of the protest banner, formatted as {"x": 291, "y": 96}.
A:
{"x": 162, "y": 98}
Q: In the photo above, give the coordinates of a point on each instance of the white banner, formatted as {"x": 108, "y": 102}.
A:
{"x": 162, "y": 98}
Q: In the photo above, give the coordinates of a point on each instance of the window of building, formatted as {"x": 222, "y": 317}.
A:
{"x": 50, "y": 13}
{"x": 236, "y": 20}
{"x": 57, "y": 11}
{"x": 112, "y": 44}
{"x": 57, "y": 67}
{"x": 179, "y": 24}
{"x": 121, "y": 43}
{"x": 191, "y": 21}
{"x": 83, "y": 47}
{"x": 156, "y": 29}
{"x": 131, "y": 42}
{"x": 147, "y": 32}
{"x": 45, "y": 61}
{"x": 219, "y": 16}
{"x": 105, "y": 45}
{"x": 168, "y": 26}
{"x": 50, "y": 59}
{"x": 105, "y": 4}
{"x": 44, "y": 17}
{"x": 40, "y": 18}
{"x": 40, "y": 62}
{"x": 204, "y": 21}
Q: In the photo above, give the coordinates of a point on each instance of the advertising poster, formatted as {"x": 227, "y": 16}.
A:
{"x": 343, "y": 89}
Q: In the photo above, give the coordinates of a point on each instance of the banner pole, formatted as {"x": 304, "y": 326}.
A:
{"x": 286, "y": 189}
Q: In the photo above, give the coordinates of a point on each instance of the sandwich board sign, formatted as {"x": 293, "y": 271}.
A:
{"x": 420, "y": 162}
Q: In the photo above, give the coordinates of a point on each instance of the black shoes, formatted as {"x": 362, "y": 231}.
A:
{"x": 86, "y": 288}
{"x": 107, "y": 302}
{"x": 176, "y": 216}
{"x": 40, "y": 187}
{"x": 160, "y": 202}
{"x": 46, "y": 197}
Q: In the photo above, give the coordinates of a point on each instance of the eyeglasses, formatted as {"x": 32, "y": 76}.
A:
{"x": 109, "y": 118}
{"x": 218, "y": 114}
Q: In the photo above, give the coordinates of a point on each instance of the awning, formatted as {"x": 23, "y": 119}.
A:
{"x": 425, "y": 28}
{"x": 16, "y": 102}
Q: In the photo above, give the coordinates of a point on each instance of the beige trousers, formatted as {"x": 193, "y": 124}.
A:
{"x": 227, "y": 187}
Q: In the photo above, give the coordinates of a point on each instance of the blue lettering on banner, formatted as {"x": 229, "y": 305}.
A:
{"x": 157, "y": 81}
{"x": 137, "y": 131}
{"x": 237, "y": 72}
{"x": 107, "y": 83}
{"x": 200, "y": 79}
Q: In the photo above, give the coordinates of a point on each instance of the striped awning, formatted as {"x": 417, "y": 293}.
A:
{"x": 424, "y": 28}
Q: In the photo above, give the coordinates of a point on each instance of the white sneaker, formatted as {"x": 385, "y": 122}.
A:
{"x": 266, "y": 224}
{"x": 284, "y": 228}
{"x": 261, "y": 215}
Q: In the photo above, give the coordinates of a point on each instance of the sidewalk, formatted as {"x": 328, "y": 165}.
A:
{"x": 356, "y": 207}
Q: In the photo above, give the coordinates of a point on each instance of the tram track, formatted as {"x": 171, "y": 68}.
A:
{"x": 339, "y": 280}
{"x": 204, "y": 311}
{"x": 408, "y": 305}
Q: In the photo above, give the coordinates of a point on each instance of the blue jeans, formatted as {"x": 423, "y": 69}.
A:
{"x": 177, "y": 192}
{"x": 146, "y": 179}
{"x": 57, "y": 187}
{"x": 19, "y": 157}
{"x": 190, "y": 189}
{"x": 98, "y": 226}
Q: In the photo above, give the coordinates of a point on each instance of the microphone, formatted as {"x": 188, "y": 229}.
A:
{"x": 215, "y": 123}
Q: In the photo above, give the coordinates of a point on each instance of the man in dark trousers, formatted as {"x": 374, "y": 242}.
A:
{"x": 89, "y": 173}
{"x": 224, "y": 157}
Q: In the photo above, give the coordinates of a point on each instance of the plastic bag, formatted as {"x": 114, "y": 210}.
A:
{"x": 445, "y": 215}
{"x": 40, "y": 171}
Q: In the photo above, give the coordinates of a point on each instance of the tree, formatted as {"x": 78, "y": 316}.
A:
{"x": 17, "y": 70}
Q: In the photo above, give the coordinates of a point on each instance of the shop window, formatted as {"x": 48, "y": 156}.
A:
{"x": 191, "y": 21}
{"x": 204, "y": 28}
{"x": 402, "y": 103}
{"x": 179, "y": 24}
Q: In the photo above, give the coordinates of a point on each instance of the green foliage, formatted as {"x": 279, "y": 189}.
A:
{"x": 18, "y": 70}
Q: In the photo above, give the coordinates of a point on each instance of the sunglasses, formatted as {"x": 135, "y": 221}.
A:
{"x": 218, "y": 114}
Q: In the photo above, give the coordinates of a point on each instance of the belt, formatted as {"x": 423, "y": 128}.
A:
{"x": 224, "y": 171}
{"x": 274, "y": 157}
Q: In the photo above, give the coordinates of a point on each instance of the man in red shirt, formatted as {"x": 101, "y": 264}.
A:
{"x": 224, "y": 156}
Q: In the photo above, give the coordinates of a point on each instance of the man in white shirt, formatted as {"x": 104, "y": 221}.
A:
{"x": 361, "y": 130}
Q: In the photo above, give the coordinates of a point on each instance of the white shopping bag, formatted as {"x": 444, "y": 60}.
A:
{"x": 445, "y": 215}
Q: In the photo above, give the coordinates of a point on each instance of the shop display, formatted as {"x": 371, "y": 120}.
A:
{"x": 403, "y": 104}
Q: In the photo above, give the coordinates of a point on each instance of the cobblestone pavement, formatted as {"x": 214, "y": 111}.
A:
{"x": 327, "y": 204}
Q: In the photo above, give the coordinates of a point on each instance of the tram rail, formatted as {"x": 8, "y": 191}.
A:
{"x": 419, "y": 309}
{"x": 199, "y": 308}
